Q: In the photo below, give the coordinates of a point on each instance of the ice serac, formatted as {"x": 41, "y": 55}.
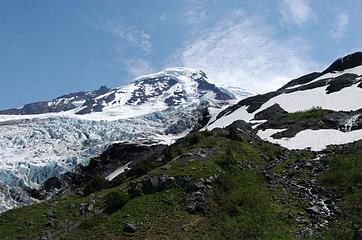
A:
{"x": 338, "y": 88}
{"x": 42, "y": 140}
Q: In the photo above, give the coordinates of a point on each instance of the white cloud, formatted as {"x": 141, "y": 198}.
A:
{"x": 342, "y": 23}
{"x": 131, "y": 36}
{"x": 137, "y": 67}
{"x": 164, "y": 17}
{"x": 241, "y": 51}
{"x": 296, "y": 11}
{"x": 195, "y": 12}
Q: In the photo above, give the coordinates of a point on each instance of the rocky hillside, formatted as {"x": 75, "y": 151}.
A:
{"x": 220, "y": 184}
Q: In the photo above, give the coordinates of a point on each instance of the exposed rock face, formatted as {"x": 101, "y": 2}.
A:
{"x": 120, "y": 154}
{"x": 274, "y": 111}
{"x": 349, "y": 61}
{"x": 328, "y": 119}
{"x": 157, "y": 183}
{"x": 52, "y": 183}
{"x": 117, "y": 155}
{"x": 62, "y": 103}
{"x": 338, "y": 83}
{"x": 302, "y": 80}
{"x": 159, "y": 84}
{"x": 241, "y": 130}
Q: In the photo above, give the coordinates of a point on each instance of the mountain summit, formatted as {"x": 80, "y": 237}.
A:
{"x": 158, "y": 91}
{"x": 45, "y": 139}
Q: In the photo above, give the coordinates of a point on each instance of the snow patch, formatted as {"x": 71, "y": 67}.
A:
{"x": 347, "y": 99}
{"x": 239, "y": 114}
{"x": 317, "y": 140}
{"x": 118, "y": 171}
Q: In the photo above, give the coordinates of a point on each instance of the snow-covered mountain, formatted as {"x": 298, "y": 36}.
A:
{"x": 145, "y": 94}
{"x": 338, "y": 89}
{"x": 45, "y": 139}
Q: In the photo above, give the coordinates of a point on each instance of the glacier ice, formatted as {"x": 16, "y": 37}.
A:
{"x": 34, "y": 150}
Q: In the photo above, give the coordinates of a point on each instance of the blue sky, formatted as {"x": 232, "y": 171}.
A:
{"x": 49, "y": 47}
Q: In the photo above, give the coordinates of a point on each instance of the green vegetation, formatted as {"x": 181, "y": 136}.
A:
{"x": 301, "y": 156}
{"x": 344, "y": 180}
{"x": 246, "y": 209}
{"x": 196, "y": 138}
{"x": 96, "y": 184}
{"x": 241, "y": 204}
{"x": 313, "y": 113}
{"x": 115, "y": 200}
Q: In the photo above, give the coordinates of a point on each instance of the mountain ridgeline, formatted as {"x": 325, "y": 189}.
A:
{"x": 281, "y": 165}
{"x": 165, "y": 84}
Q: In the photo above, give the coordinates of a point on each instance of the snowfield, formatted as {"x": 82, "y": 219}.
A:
{"x": 317, "y": 140}
{"x": 349, "y": 98}
{"x": 346, "y": 99}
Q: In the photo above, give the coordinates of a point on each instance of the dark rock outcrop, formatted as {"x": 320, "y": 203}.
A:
{"x": 274, "y": 111}
{"x": 115, "y": 156}
{"x": 157, "y": 183}
{"x": 338, "y": 83}
{"x": 349, "y": 61}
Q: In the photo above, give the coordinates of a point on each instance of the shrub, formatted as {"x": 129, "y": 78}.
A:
{"x": 115, "y": 200}
{"x": 233, "y": 133}
{"x": 142, "y": 168}
{"x": 169, "y": 154}
{"x": 96, "y": 184}
{"x": 228, "y": 160}
{"x": 250, "y": 211}
{"x": 195, "y": 138}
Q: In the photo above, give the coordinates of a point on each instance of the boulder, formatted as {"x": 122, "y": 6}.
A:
{"x": 158, "y": 183}
{"x": 195, "y": 202}
{"x": 129, "y": 227}
{"x": 151, "y": 185}
{"x": 313, "y": 210}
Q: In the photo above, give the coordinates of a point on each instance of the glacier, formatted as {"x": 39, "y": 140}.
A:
{"x": 33, "y": 150}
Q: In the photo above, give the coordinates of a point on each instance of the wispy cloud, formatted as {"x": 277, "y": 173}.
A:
{"x": 342, "y": 23}
{"x": 297, "y": 11}
{"x": 194, "y": 12}
{"x": 138, "y": 66}
{"x": 164, "y": 17}
{"x": 242, "y": 51}
{"x": 130, "y": 35}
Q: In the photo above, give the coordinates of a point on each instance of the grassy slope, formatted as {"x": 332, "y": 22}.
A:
{"x": 344, "y": 180}
{"x": 241, "y": 206}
